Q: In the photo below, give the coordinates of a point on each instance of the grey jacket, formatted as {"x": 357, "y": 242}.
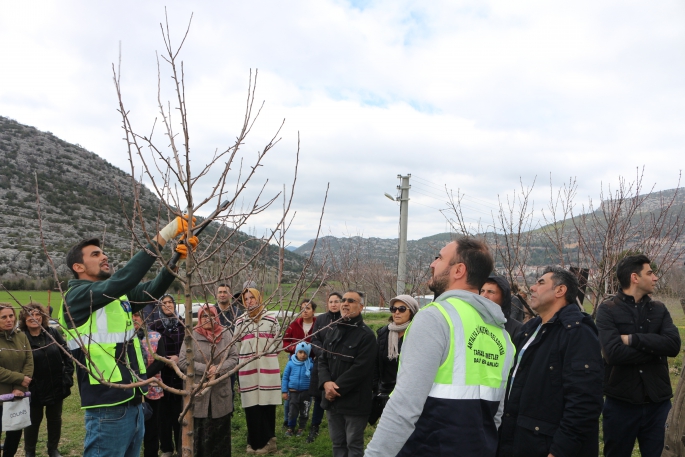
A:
{"x": 220, "y": 394}
{"x": 425, "y": 348}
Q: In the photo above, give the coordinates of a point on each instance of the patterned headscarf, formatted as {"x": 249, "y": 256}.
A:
{"x": 215, "y": 333}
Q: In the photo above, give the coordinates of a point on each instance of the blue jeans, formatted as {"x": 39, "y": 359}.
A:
{"x": 114, "y": 431}
{"x": 625, "y": 422}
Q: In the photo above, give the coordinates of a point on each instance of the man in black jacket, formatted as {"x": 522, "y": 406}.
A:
{"x": 346, "y": 376}
{"x": 554, "y": 393}
{"x": 637, "y": 335}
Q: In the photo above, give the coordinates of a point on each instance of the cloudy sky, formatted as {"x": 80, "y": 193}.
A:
{"x": 472, "y": 95}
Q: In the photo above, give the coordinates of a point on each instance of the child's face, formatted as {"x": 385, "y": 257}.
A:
{"x": 301, "y": 356}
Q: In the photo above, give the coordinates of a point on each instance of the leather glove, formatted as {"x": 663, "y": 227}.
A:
{"x": 183, "y": 249}
{"x": 175, "y": 228}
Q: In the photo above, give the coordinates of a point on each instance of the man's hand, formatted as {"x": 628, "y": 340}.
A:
{"x": 625, "y": 339}
{"x": 284, "y": 395}
{"x": 330, "y": 389}
{"x": 174, "y": 228}
{"x": 173, "y": 358}
{"x": 26, "y": 382}
{"x": 212, "y": 371}
{"x": 183, "y": 249}
{"x": 17, "y": 393}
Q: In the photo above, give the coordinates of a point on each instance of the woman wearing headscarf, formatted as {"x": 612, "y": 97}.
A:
{"x": 151, "y": 344}
{"x": 403, "y": 308}
{"x": 260, "y": 380}
{"x": 213, "y": 405}
{"x": 16, "y": 367}
{"x": 53, "y": 376}
{"x": 319, "y": 331}
{"x": 165, "y": 320}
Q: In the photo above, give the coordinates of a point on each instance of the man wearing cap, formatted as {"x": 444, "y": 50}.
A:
{"x": 497, "y": 290}
{"x": 453, "y": 368}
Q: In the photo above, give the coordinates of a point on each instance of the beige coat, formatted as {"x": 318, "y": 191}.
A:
{"x": 219, "y": 394}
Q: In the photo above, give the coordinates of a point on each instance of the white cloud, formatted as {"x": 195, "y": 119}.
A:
{"x": 474, "y": 95}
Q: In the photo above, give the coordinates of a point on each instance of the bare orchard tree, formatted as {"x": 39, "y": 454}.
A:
{"x": 627, "y": 221}
{"x": 225, "y": 252}
{"x": 558, "y": 228}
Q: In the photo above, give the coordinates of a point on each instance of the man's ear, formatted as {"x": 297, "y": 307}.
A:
{"x": 459, "y": 271}
{"x": 79, "y": 267}
{"x": 561, "y": 291}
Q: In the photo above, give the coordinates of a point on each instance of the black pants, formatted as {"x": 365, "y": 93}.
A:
{"x": 624, "y": 422}
{"x": 151, "y": 438}
{"x": 11, "y": 440}
{"x": 261, "y": 425}
{"x": 299, "y": 404}
{"x": 53, "y": 414}
{"x": 212, "y": 437}
{"x": 170, "y": 408}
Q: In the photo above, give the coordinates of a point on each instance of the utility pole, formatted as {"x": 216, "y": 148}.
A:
{"x": 404, "y": 210}
{"x": 403, "y": 198}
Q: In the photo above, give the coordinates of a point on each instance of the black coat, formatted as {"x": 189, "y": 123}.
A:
{"x": 385, "y": 376}
{"x": 53, "y": 369}
{"x": 348, "y": 360}
{"x": 637, "y": 373}
{"x": 320, "y": 329}
{"x": 555, "y": 399}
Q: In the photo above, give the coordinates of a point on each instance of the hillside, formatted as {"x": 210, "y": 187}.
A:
{"x": 422, "y": 251}
{"x": 82, "y": 195}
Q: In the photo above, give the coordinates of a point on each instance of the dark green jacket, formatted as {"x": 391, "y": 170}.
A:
{"x": 16, "y": 361}
{"x": 83, "y": 296}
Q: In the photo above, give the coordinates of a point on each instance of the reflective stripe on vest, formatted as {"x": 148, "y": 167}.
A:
{"x": 99, "y": 336}
{"x": 484, "y": 353}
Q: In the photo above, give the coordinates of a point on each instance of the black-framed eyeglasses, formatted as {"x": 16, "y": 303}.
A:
{"x": 348, "y": 300}
{"x": 401, "y": 309}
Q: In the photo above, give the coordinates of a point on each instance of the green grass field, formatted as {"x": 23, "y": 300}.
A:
{"x": 73, "y": 429}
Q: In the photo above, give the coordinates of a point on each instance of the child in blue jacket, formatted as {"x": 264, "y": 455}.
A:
{"x": 295, "y": 386}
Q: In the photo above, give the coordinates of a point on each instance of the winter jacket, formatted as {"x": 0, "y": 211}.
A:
{"x": 205, "y": 354}
{"x": 319, "y": 331}
{"x": 554, "y": 401}
{"x": 172, "y": 331}
{"x": 433, "y": 414}
{"x": 637, "y": 373}
{"x": 297, "y": 375}
{"x": 295, "y": 333}
{"x": 16, "y": 361}
{"x": 512, "y": 325}
{"x": 385, "y": 375}
{"x": 53, "y": 369}
{"x": 348, "y": 360}
{"x": 227, "y": 318}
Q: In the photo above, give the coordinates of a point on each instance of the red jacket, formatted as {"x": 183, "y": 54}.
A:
{"x": 295, "y": 333}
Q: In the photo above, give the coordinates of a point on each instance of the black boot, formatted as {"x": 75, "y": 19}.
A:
{"x": 53, "y": 453}
{"x": 313, "y": 433}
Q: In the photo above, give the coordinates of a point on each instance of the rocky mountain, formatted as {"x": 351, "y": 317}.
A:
{"x": 81, "y": 196}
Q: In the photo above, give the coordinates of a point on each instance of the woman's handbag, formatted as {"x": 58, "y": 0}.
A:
{"x": 377, "y": 406}
{"x": 16, "y": 415}
{"x": 147, "y": 411}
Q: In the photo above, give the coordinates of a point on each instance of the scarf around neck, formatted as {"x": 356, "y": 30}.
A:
{"x": 394, "y": 338}
{"x": 215, "y": 333}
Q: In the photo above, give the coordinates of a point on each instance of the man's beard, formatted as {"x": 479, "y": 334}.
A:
{"x": 102, "y": 274}
{"x": 438, "y": 284}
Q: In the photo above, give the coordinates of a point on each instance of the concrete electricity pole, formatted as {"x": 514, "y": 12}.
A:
{"x": 403, "y": 198}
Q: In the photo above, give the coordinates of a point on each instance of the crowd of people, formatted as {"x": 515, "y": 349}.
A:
{"x": 483, "y": 370}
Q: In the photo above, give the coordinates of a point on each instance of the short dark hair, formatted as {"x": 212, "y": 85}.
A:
{"x": 337, "y": 294}
{"x": 629, "y": 265}
{"x": 75, "y": 254}
{"x": 223, "y": 284}
{"x": 352, "y": 291}
{"x": 561, "y": 277}
{"x": 26, "y": 312}
{"x": 476, "y": 256}
{"x": 310, "y": 302}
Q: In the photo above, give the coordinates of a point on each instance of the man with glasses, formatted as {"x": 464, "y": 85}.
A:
{"x": 454, "y": 364}
{"x": 346, "y": 368}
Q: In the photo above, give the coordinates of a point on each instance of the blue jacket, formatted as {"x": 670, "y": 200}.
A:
{"x": 297, "y": 374}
